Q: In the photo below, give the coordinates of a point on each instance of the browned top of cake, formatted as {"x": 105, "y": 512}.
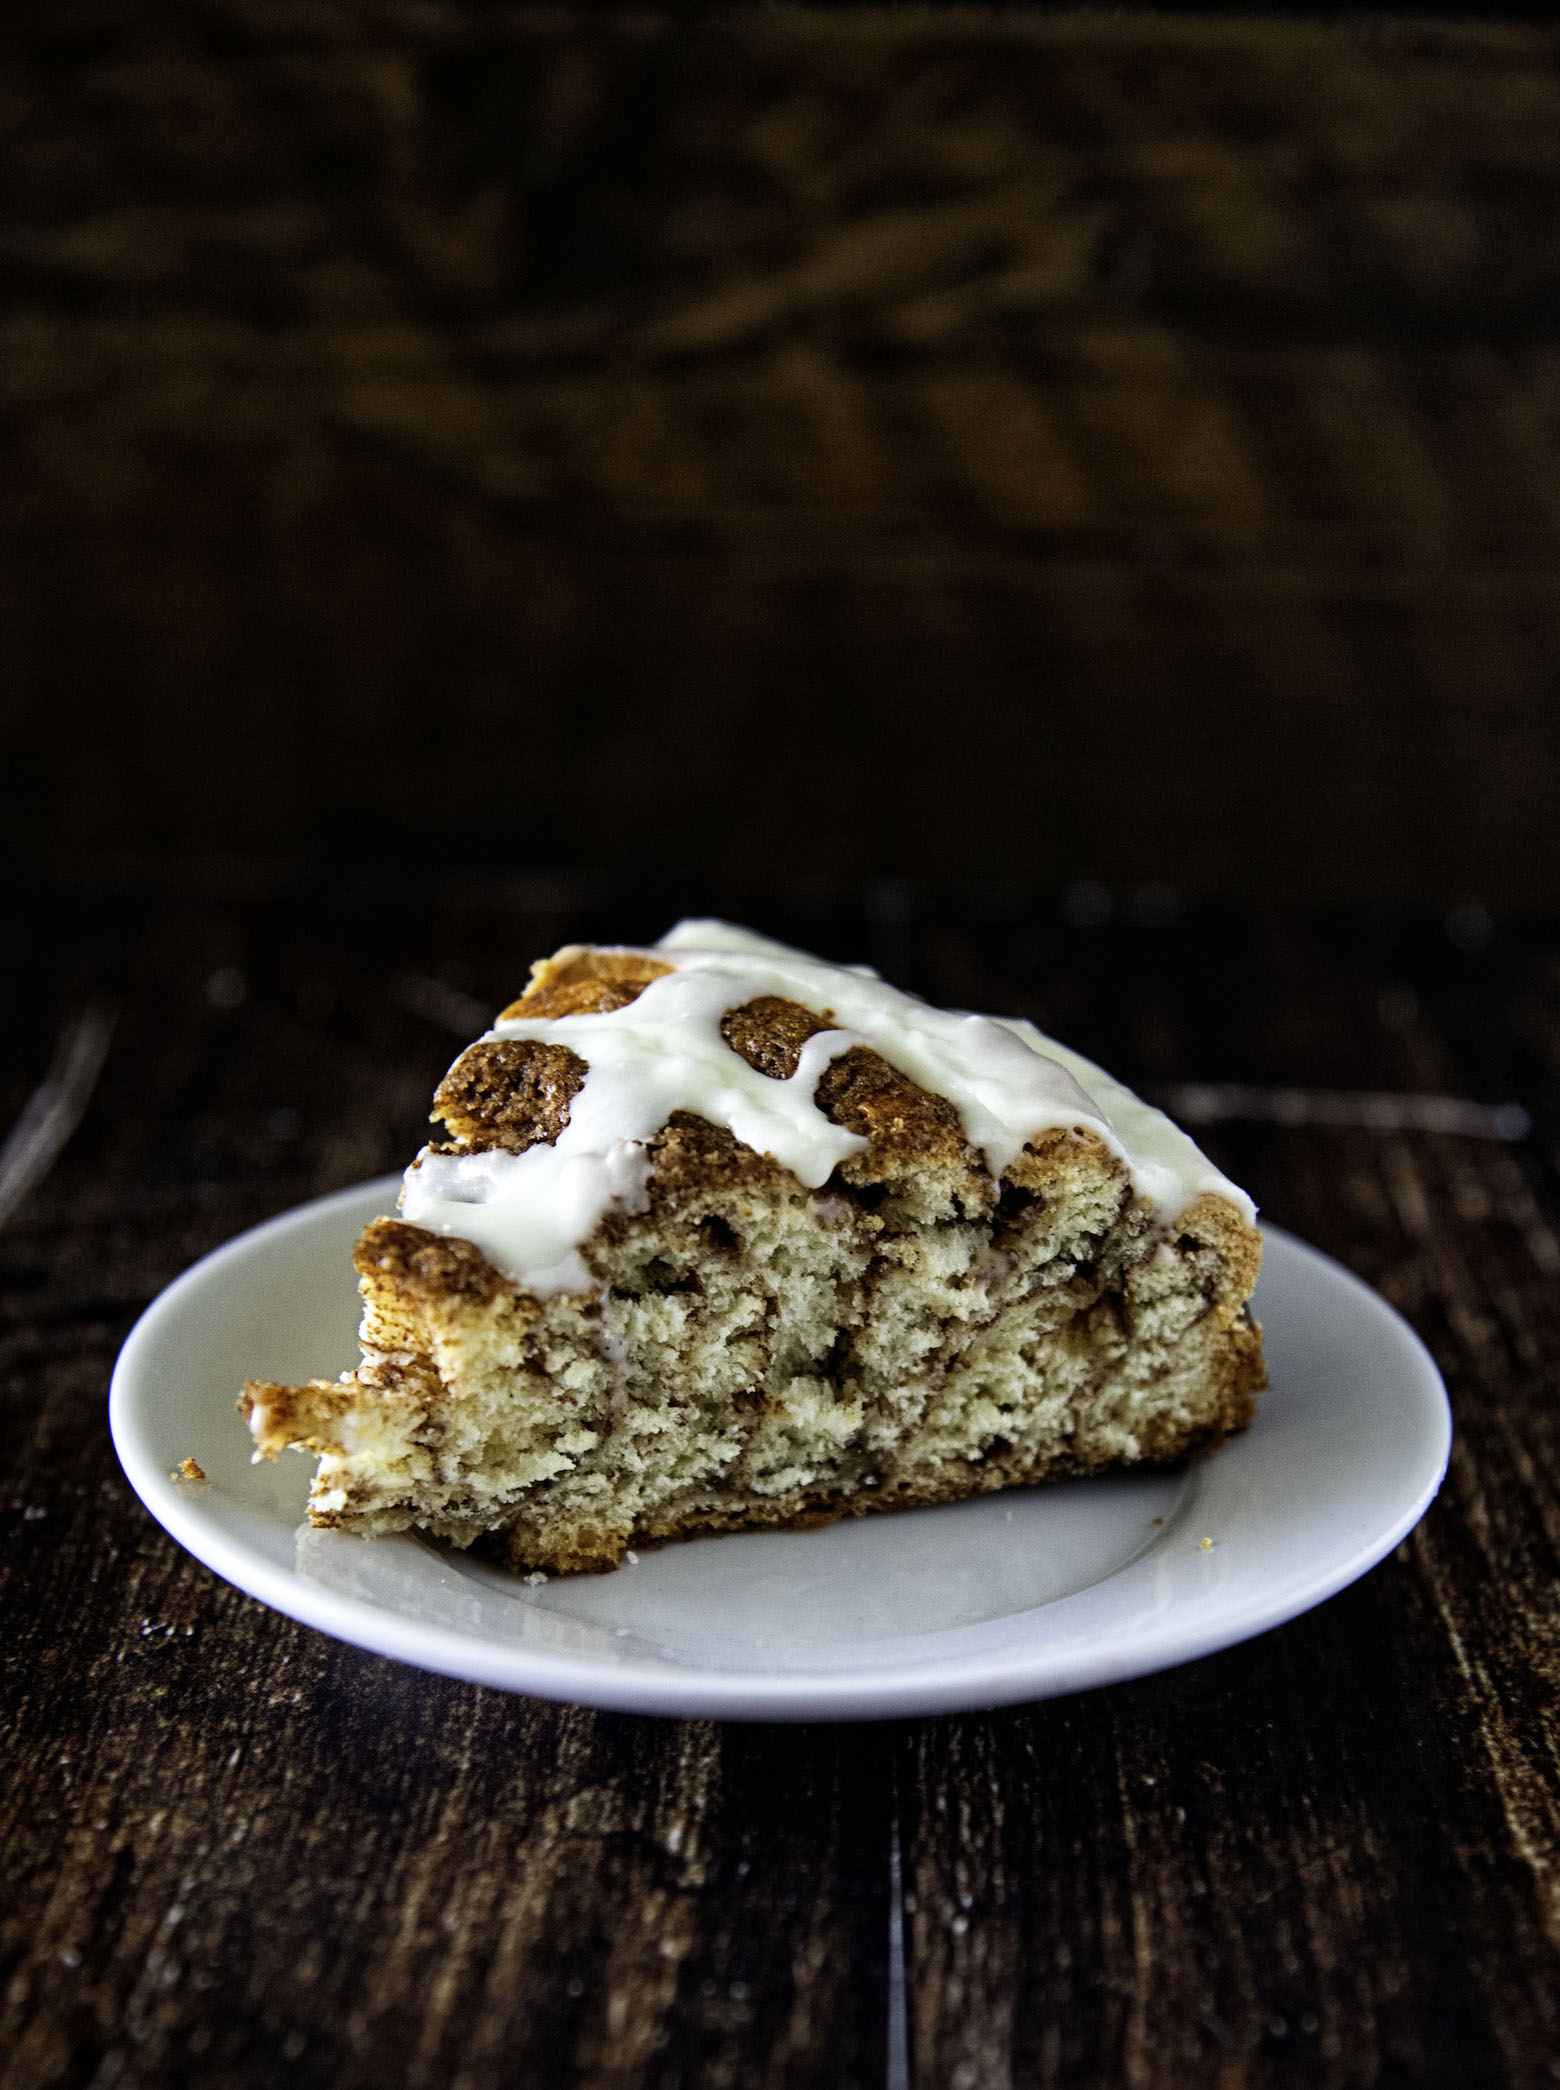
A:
{"x": 424, "y": 1266}
{"x": 514, "y": 1093}
{"x": 584, "y": 980}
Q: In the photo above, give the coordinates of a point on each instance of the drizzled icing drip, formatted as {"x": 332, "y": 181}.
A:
{"x": 663, "y": 1052}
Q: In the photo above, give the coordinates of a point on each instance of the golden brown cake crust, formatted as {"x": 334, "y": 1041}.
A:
{"x": 584, "y": 978}
{"x": 904, "y": 1125}
{"x": 1213, "y": 1223}
{"x": 691, "y": 1157}
{"x": 769, "y": 1033}
{"x": 512, "y": 1093}
{"x": 425, "y": 1268}
{"x": 515, "y": 1093}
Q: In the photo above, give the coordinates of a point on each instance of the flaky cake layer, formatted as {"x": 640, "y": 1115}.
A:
{"x": 750, "y": 1351}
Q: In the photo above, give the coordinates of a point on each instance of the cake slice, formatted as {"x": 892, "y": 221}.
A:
{"x": 722, "y": 1236}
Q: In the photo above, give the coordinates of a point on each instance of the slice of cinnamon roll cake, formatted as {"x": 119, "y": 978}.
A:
{"x": 723, "y": 1236}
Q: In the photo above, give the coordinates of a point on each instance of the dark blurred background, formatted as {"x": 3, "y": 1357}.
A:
{"x": 738, "y": 449}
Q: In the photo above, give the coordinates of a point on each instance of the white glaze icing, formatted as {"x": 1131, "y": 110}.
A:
{"x": 530, "y": 1213}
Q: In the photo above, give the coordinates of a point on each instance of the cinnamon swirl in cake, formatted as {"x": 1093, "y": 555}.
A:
{"x": 721, "y": 1236}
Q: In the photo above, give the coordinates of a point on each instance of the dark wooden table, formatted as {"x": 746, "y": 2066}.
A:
{"x": 241, "y": 1855}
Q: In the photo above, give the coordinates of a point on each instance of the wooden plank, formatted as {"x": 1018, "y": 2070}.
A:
{"x": 235, "y": 1848}
{"x": 1326, "y": 1858}
{"x": 237, "y": 1851}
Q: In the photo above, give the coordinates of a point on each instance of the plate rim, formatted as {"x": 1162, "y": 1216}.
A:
{"x": 642, "y": 1684}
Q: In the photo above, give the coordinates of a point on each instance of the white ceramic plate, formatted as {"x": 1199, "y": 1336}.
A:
{"x": 1016, "y": 1596}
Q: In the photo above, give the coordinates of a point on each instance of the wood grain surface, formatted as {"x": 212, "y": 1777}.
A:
{"x": 237, "y": 1854}
{"x": 891, "y": 439}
